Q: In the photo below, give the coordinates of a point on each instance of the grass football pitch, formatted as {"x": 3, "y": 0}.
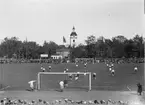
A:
{"x": 16, "y": 76}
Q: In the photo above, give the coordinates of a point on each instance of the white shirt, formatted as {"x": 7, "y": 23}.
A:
{"x": 43, "y": 68}
{"x": 94, "y": 73}
{"x": 61, "y": 83}
{"x": 78, "y": 72}
{"x": 31, "y": 83}
{"x": 112, "y": 71}
{"x": 76, "y": 78}
{"x": 135, "y": 68}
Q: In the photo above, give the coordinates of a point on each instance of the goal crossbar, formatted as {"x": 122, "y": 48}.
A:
{"x": 40, "y": 73}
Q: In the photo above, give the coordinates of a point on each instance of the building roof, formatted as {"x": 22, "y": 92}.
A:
{"x": 62, "y": 50}
{"x": 56, "y": 55}
{"x": 73, "y": 34}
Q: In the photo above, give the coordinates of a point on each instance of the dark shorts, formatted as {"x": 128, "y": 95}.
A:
{"x": 94, "y": 76}
{"x": 113, "y": 73}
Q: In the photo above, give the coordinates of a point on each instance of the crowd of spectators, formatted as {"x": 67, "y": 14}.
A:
{"x": 113, "y": 60}
{"x": 11, "y": 101}
{"x": 77, "y": 60}
{"x": 84, "y": 60}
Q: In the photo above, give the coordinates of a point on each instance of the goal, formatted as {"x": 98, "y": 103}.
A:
{"x": 50, "y": 80}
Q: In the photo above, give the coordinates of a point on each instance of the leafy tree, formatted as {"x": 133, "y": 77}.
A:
{"x": 50, "y": 48}
{"x": 138, "y": 40}
{"x": 29, "y": 50}
{"x": 90, "y": 47}
{"x": 90, "y": 40}
{"x": 79, "y": 51}
{"x": 9, "y": 47}
{"x": 118, "y": 48}
{"x": 120, "y": 38}
{"x": 109, "y": 45}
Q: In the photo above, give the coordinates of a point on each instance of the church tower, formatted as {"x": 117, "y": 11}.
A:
{"x": 73, "y": 37}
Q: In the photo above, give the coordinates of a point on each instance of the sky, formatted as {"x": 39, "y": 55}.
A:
{"x": 50, "y": 20}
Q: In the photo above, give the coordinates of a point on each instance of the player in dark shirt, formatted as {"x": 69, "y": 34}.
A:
{"x": 70, "y": 76}
{"x": 85, "y": 65}
{"x": 139, "y": 90}
{"x": 65, "y": 83}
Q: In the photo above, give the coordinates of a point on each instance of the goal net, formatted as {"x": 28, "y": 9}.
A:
{"x": 50, "y": 80}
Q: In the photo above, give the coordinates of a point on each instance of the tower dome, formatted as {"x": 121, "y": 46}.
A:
{"x": 73, "y": 37}
{"x": 73, "y": 34}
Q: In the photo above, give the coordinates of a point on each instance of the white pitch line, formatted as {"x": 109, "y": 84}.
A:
{"x": 5, "y": 88}
{"x": 128, "y": 88}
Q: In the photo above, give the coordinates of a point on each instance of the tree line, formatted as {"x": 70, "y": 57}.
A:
{"x": 117, "y": 47}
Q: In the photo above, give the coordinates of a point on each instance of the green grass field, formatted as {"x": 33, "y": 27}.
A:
{"x": 17, "y": 76}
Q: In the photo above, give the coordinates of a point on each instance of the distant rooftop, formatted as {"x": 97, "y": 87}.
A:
{"x": 63, "y": 49}
{"x": 56, "y": 55}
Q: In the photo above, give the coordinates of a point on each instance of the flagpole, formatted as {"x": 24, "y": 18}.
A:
{"x": 63, "y": 40}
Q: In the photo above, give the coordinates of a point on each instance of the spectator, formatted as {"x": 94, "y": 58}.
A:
{"x": 139, "y": 88}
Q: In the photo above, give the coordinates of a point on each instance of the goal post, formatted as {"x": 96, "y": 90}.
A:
{"x": 88, "y": 74}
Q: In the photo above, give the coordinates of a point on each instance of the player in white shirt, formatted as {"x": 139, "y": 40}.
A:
{"x": 135, "y": 69}
{"x": 31, "y": 83}
{"x": 77, "y": 65}
{"x": 85, "y": 65}
{"x": 94, "y": 75}
{"x": 43, "y": 69}
{"x": 113, "y": 72}
{"x": 112, "y": 65}
{"x": 110, "y": 69}
{"x": 61, "y": 84}
{"x": 85, "y": 73}
{"x": 65, "y": 70}
{"x": 49, "y": 68}
{"x": 67, "y": 61}
{"x": 77, "y": 76}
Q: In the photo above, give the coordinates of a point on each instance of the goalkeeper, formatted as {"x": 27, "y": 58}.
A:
{"x": 63, "y": 84}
